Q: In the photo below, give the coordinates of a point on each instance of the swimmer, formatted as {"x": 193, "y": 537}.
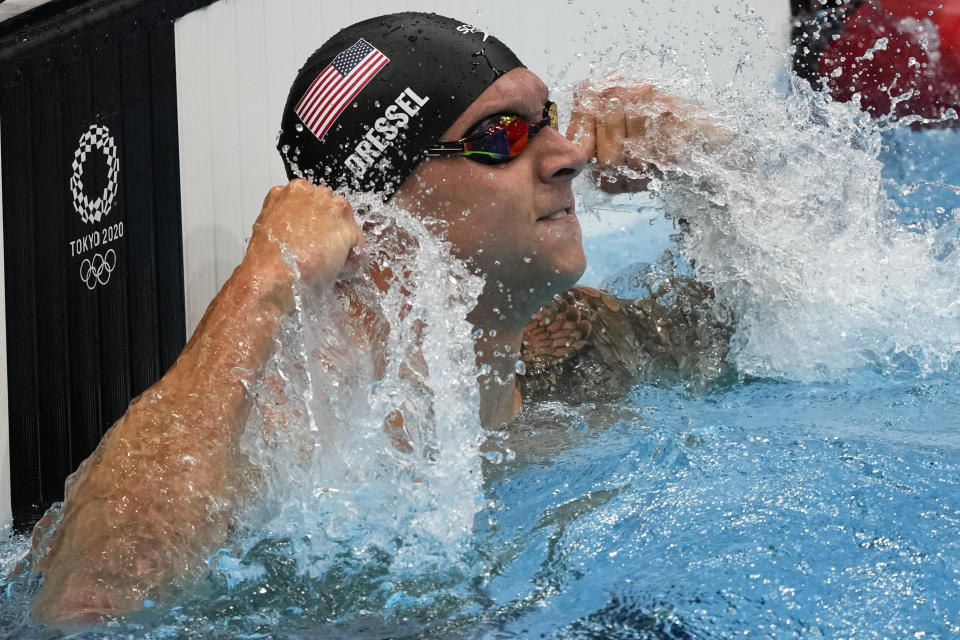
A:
{"x": 441, "y": 118}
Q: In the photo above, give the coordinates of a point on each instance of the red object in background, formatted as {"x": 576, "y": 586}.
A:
{"x": 945, "y": 14}
{"x": 922, "y": 54}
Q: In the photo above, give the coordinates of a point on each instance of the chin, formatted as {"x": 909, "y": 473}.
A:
{"x": 557, "y": 280}
{"x": 565, "y": 262}
{"x": 570, "y": 270}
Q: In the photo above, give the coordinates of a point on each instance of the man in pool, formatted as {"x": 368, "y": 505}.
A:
{"x": 446, "y": 121}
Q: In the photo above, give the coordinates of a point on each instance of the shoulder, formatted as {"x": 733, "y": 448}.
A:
{"x": 588, "y": 345}
{"x": 560, "y": 330}
{"x": 574, "y": 348}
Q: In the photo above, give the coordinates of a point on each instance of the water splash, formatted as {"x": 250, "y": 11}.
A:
{"x": 366, "y": 441}
{"x": 360, "y": 467}
{"x": 789, "y": 221}
{"x": 791, "y": 226}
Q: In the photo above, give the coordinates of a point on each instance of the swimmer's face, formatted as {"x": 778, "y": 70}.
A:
{"x": 513, "y": 222}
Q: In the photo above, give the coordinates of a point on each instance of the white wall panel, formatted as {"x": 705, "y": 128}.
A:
{"x": 196, "y": 154}
{"x": 224, "y": 123}
{"x": 11, "y": 8}
{"x": 236, "y": 59}
{"x": 278, "y": 22}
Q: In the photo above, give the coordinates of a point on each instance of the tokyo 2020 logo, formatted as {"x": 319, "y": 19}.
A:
{"x": 96, "y": 138}
{"x": 96, "y": 146}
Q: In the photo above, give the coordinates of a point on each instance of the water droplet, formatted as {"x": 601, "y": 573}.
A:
{"x": 492, "y": 333}
{"x": 527, "y": 259}
{"x": 908, "y": 189}
{"x": 299, "y": 127}
{"x": 520, "y": 368}
{"x": 493, "y": 456}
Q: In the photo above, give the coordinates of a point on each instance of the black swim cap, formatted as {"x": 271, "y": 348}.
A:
{"x": 367, "y": 104}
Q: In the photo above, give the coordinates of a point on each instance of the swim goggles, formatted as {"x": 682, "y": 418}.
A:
{"x": 497, "y": 139}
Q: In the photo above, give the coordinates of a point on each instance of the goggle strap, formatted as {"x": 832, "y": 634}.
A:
{"x": 444, "y": 148}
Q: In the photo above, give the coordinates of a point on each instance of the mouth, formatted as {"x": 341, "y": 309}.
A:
{"x": 558, "y": 214}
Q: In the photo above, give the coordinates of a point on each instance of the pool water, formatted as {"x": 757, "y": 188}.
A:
{"x": 816, "y": 496}
{"x": 777, "y": 508}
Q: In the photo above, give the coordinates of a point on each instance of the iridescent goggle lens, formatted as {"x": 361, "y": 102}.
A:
{"x": 498, "y": 139}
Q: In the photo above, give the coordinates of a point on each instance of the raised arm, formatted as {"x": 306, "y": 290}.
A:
{"x": 157, "y": 496}
{"x": 588, "y": 345}
{"x": 637, "y": 132}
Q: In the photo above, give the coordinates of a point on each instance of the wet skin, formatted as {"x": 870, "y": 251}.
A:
{"x": 495, "y": 216}
{"x": 159, "y": 493}
{"x": 514, "y": 223}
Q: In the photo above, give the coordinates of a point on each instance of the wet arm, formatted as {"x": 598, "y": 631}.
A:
{"x": 636, "y": 133}
{"x": 159, "y": 493}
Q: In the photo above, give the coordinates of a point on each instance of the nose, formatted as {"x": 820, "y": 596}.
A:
{"x": 560, "y": 160}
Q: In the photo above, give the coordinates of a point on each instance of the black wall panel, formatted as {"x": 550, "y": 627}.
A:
{"x": 92, "y": 239}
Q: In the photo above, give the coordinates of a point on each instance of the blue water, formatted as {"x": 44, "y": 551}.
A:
{"x": 774, "y": 509}
{"x": 922, "y": 173}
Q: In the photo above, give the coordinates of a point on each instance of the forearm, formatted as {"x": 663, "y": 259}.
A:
{"x": 158, "y": 494}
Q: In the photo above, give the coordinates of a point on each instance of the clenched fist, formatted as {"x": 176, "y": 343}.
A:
{"x": 635, "y": 132}
{"x": 306, "y": 226}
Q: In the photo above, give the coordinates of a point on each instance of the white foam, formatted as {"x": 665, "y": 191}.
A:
{"x": 792, "y": 226}
{"x": 333, "y": 478}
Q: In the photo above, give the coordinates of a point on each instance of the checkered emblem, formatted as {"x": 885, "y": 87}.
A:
{"x": 98, "y": 138}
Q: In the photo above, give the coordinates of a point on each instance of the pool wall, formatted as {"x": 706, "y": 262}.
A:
{"x": 93, "y": 286}
{"x": 6, "y": 509}
{"x": 234, "y": 62}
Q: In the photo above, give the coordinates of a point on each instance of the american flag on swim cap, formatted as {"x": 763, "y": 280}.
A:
{"x": 339, "y": 83}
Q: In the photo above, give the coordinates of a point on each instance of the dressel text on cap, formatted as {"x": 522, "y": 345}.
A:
{"x": 384, "y": 131}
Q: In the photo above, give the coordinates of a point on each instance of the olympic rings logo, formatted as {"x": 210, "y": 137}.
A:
{"x": 96, "y": 137}
{"x": 97, "y": 270}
